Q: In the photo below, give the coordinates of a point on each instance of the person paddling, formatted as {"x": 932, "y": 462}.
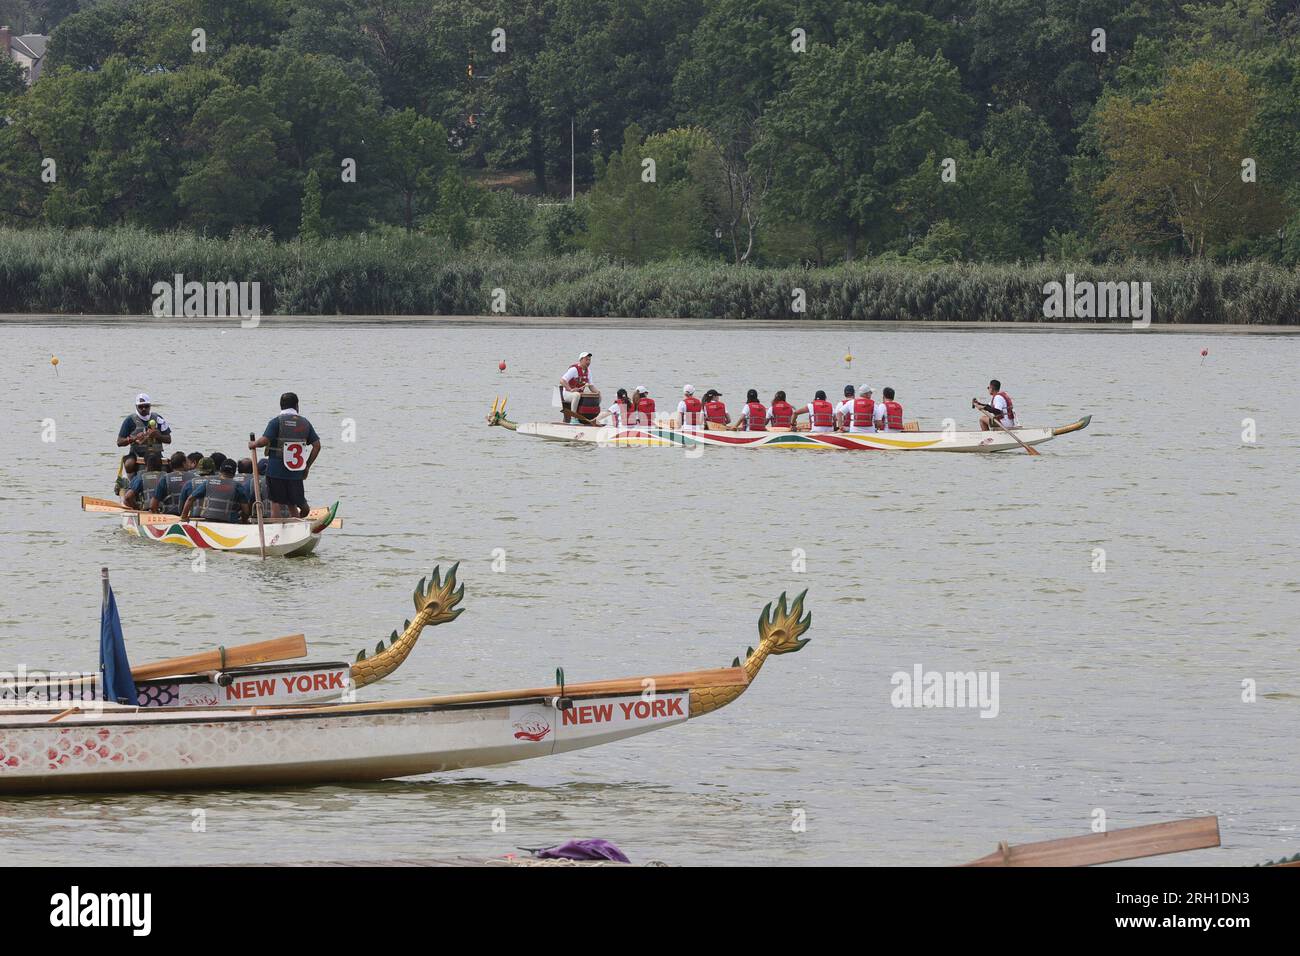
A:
{"x": 862, "y": 420}
{"x": 1000, "y": 409}
{"x": 781, "y": 414}
{"x": 715, "y": 411}
{"x": 820, "y": 412}
{"x": 218, "y": 499}
{"x": 573, "y": 383}
{"x": 203, "y": 472}
{"x": 844, "y": 410}
{"x": 167, "y": 496}
{"x": 889, "y": 413}
{"x": 690, "y": 410}
{"x": 643, "y": 407}
{"x": 616, "y": 416}
{"x": 140, "y": 492}
{"x": 287, "y": 439}
{"x": 753, "y": 417}
{"x": 144, "y": 430}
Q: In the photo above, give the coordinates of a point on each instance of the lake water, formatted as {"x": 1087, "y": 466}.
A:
{"x": 1120, "y": 690}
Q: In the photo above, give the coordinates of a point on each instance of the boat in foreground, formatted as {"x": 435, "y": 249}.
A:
{"x": 236, "y": 677}
{"x": 284, "y": 539}
{"x": 50, "y": 749}
{"x": 666, "y": 433}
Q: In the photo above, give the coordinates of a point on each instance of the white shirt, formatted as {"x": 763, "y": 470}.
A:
{"x": 744, "y": 416}
{"x": 1000, "y": 404}
{"x": 878, "y": 417}
{"x": 568, "y": 377}
{"x": 615, "y": 419}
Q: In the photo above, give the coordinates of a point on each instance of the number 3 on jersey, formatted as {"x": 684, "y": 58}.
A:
{"x": 295, "y": 456}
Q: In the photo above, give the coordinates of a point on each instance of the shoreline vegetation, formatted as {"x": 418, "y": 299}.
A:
{"x": 113, "y": 272}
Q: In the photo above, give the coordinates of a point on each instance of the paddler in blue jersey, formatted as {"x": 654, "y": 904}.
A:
{"x": 218, "y": 498}
{"x": 292, "y": 446}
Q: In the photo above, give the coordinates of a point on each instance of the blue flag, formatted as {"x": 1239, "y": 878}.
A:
{"x": 113, "y": 667}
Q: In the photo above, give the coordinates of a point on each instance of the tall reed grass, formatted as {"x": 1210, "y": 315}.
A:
{"x": 113, "y": 272}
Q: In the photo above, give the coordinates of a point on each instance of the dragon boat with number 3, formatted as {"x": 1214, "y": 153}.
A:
{"x": 666, "y": 432}
{"x": 48, "y": 749}
{"x": 284, "y": 539}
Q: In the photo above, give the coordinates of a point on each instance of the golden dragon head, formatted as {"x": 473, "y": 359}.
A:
{"x": 498, "y": 415}
{"x": 779, "y": 631}
{"x": 435, "y": 604}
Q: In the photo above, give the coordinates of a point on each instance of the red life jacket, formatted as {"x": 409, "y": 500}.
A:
{"x": 893, "y": 416}
{"x": 782, "y": 414}
{"x": 693, "y": 410}
{"x": 624, "y": 409}
{"x": 715, "y": 412}
{"x": 578, "y": 383}
{"x": 1011, "y": 409}
{"x": 822, "y": 413}
{"x": 863, "y": 410}
{"x": 757, "y": 419}
{"x": 646, "y": 406}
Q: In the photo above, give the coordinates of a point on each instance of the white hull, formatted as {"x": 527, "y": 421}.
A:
{"x": 283, "y": 539}
{"x": 133, "y": 748}
{"x": 657, "y": 436}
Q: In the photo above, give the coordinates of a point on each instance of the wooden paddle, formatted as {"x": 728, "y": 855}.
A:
{"x": 1130, "y": 843}
{"x": 276, "y": 649}
{"x": 975, "y": 402}
{"x": 257, "y": 495}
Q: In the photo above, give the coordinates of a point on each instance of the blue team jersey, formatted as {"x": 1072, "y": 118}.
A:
{"x": 274, "y": 464}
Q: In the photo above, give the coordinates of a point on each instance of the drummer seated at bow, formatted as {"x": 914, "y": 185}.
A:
{"x": 139, "y": 493}
{"x": 575, "y": 385}
{"x": 820, "y": 412}
{"x": 1000, "y": 409}
{"x": 217, "y": 499}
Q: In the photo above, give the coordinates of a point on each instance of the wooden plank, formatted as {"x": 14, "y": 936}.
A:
{"x": 1130, "y": 843}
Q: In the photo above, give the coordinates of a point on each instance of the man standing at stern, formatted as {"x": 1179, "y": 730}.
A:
{"x": 287, "y": 439}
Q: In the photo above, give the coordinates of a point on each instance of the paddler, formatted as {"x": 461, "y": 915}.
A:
{"x": 643, "y": 407}
{"x": 140, "y": 492}
{"x": 863, "y": 418}
{"x": 144, "y": 430}
{"x": 690, "y": 410}
{"x": 820, "y": 412}
{"x": 999, "y": 409}
{"x": 715, "y": 411}
{"x": 573, "y": 383}
{"x": 616, "y": 415}
{"x": 286, "y": 440}
{"x": 129, "y": 465}
{"x": 889, "y": 414}
{"x": 167, "y": 496}
{"x": 218, "y": 499}
{"x": 781, "y": 414}
{"x": 203, "y": 472}
{"x": 844, "y": 410}
{"x": 753, "y": 417}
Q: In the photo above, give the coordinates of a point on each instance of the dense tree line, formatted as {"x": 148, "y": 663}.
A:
{"x": 759, "y": 131}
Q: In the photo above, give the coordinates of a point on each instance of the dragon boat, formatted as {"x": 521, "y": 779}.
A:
{"x": 665, "y": 432}
{"x": 236, "y": 676}
{"x": 52, "y": 748}
{"x": 289, "y": 538}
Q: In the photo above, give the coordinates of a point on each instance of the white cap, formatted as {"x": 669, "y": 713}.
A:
{"x": 142, "y": 399}
{"x": 643, "y": 390}
{"x": 688, "y": 389}
{"x": 584, "y": 355}
{"x": 865, "y": 390}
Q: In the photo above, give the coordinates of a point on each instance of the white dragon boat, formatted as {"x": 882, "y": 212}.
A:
{"x": 284, "y": 539}
{"x": 666, "y": 432}
{"x": 50, "y": 748}
{"x": 234, "y": 677}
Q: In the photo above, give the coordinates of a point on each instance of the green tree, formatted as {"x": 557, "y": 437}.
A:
{"x": 1175, "y": 163}
{"x": 851, "y": 126}
{"x": 412, "y": 158}
{"x": 313, "y": 225}
{"x": 633, "y": 219}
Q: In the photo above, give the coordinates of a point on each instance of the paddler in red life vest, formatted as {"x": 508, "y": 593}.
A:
{"x": 575, "y": 381}
{"x": 715, "y": 412}
{"x": 861, "y": 419}
{"x": 781, "y": 414}
{"x": 643, "y": 407}
{"x": 753, "y": 416}
{"x": 690, "y": 410}
{"x": 616, "y": 415}
{"x": 820, "y": 412}
{"x": 844, "y": 410}
{"x": 889, "y": 414}
{"x": 1000, "y": 409}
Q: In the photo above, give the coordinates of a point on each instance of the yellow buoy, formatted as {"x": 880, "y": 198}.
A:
{"x": 54, "y": 360}
{"x": 848, "y": 358}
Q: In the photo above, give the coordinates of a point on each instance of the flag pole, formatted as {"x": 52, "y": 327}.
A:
{"x": 103, "y": 574}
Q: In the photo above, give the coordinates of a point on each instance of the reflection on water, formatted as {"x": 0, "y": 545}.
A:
{"x": 1120, "y": 689}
